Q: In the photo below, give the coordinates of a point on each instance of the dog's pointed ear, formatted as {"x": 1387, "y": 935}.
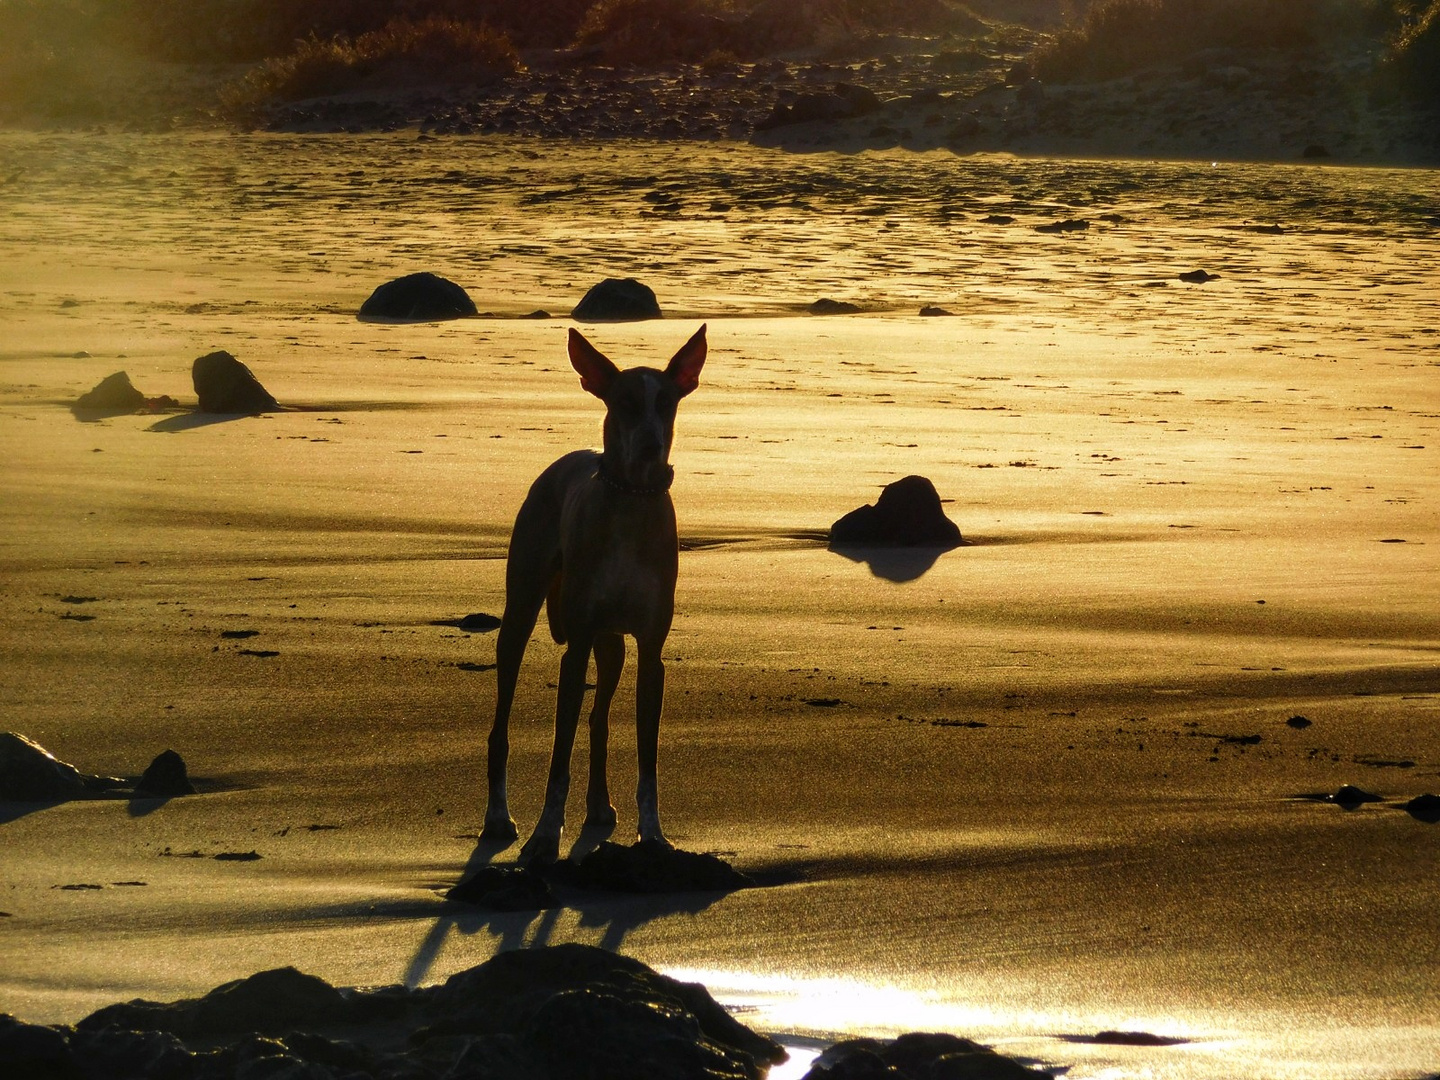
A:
{"x": 684, "y": 367}
{"x": 596, "y": 370}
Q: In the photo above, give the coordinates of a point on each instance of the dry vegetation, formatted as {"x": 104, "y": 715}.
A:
{"x": 402, "y": 53}
{"x": 1115, "y": 37}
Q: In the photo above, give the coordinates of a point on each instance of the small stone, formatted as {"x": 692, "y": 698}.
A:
{"x": 422, "y": 297}
{"x": 931, "y": 311}
{"x": 113, "y": 394}
{"x": 826, "y": 306}
{"x": 1351, "y": 796}
{"x": 907, "y": 514}
{"x": 617, "y": 300}
{"x": 1424, "y": 808}
{"x": 165, "y": 777}
{"x": 504, "y": 888}
{"x": 225, "y": 385}
{"x": 1198, "y": 277}
{"x": 1299, "y": 722}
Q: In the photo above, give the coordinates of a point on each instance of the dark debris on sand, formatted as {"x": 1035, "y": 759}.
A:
{"x": 641, "y": 868}
{"x": 565, "y": 1012}
{"x": 918, "y": 1056}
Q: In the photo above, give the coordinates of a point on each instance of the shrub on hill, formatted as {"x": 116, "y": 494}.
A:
{"x": 402, "y": 53}
{"x": 1119, "y": 36}
{"x": 1415, "y": 57}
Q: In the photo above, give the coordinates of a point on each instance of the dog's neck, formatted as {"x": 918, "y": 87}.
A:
{"x": 617, "y": 482}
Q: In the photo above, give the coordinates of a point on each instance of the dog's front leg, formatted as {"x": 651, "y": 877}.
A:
{"x": 609, "y": 661}
{"x": 544, "y": 843}
{"x": 649, "y": 700}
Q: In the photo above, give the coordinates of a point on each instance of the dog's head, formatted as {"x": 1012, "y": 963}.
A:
{"x": 640, "y": 405}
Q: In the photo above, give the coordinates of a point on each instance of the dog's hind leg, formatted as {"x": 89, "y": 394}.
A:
{"x": 609, "y": 661}
{"x": 544, "y": 843}
{"x": 527, "y": 580}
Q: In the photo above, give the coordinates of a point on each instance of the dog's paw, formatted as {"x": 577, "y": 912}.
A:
{"x": 598, "y": 818}
{"x": 501, "y": 831}
{"x": 540, "y": 851}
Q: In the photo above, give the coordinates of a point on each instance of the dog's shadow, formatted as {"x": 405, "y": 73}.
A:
{"x": 616, "y": 915}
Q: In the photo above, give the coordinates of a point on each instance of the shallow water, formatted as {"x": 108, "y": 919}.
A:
{"x": 733, "y": 229}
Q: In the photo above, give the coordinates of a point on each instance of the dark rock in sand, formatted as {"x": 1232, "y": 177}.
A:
{"x": 845, "y": 102}
{"x": 1198, "y": 277}
{"x": 1299, "y": 722}
{"x": 826, "y": 306}
{"x": 225, "y": 385}
{"x": 1068, "y": 225}
{"x": 908, "y": 513}
{"x": 113, "y": 394}
{"x": 422, "y": 297}
{"x": 165, "y": 777}
{"x": 617, "y": 300}
{"x": 504, "y": 888}
{"x": 567, "y": 1012}
{"x": 36, "y": 1052}
{"x": 1424, "y": 808}
{"x": 917, "y": 1056}
{"x": 538, "y": 313}
{"x": 30, "y": 773}
{"x": 268, "y": 1002}
{"x": 1351, "y": 796}
{"x": 479, "y": 620}
{"x": 651, "y": 868}
{"x": 931, "y": 311}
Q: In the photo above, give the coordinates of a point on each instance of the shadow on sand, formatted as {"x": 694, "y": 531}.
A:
{"x": 191, "y": 420}
{"x": 614, "y": 914}
{"x": 897, "y": 564}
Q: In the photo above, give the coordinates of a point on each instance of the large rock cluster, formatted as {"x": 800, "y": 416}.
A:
{"x": 567, "y": 1012}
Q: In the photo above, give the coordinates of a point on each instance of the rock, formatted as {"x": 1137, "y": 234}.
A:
{"x": 504, "y": 888}
{"x": 113, "y": 394}
{"x": 908, "y": 513}
{"x": 422, "y": 297}
{"x": 30, "y": 773}
{"x": 917, "y": 1056}
{"x": 266, "y": 1002}
{"x": 931, "y": 311}
{"x": 826, "y": 306}
{"x": 479, "y": 620}
{"x": 998, "y": 219}
{"x": 539, "y": 994}
{"x": 1299, "y": 722}
{"x": 36, "y": 1052}
{"x": 651, "y": 868}
{"x": 617, "y": 300}
{"x": 1069, "y": 225}
{"x": 845, "y": 102}
{"x": 225, "y": 385}
{"x": 964, "y": 127}
{"x": 1424, "y": 808}
{"x": 1197, "y": 277}
{"x": 538, "y": 313}
{"x": 165, "y": 777}
{"x": 1031, "y": 92}
{"x": 1351, "y": 796}
{"x": 566, "y": 1012}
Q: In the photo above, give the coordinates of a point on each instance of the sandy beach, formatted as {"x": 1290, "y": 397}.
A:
{"x": 1038, "y": 786}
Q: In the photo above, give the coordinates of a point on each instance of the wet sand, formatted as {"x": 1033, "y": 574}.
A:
{"x": 1014, "y": 793}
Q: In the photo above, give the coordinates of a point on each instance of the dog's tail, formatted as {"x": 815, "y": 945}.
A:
{"x": 552, "y": 609}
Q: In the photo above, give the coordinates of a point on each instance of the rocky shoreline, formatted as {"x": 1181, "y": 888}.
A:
{"x": 1233, "y": 106}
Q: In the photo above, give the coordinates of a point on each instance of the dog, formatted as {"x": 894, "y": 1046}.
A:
{"x": 595, "y": 542}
